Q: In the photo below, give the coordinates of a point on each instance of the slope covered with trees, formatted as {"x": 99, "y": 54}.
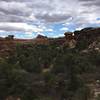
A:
{"x": 51, "y": 71}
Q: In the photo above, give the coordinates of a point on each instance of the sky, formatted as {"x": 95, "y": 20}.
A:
{"x": 28, "y": 18}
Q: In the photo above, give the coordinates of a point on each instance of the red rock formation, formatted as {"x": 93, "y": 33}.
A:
{"x": 89, "y": 34}
{"x": 69, "y": 35}
{"x": 40, "y": 39}
{"x": 70, "y": 40}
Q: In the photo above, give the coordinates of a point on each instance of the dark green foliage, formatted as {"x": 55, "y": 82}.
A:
{"x": 98, "y": 97}
{"x": 14, "y": 81}
{"x": 22, "y": 74}
{"x": 82, "y": 44}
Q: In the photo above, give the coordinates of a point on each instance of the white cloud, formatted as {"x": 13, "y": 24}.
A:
{"x": 79, "y": 28}
{"x": 49, "y": 30}
{"x": 24, "y": 27}
{"x": 64, "y": 29}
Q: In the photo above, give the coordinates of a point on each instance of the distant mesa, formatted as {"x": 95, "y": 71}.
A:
{"x": 10, "y": 37}
{"x": 41, "y": 37}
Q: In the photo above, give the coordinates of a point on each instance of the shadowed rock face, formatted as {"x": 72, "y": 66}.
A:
{"x": 89, "y": 34}
{"x": 87, "y": 38}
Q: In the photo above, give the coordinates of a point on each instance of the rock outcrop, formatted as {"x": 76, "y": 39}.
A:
{"x": 10, "y": 37}
{"x": 40, "y": 39}
{"x": 89, "y": 34}
{"x": 70, "y": 40}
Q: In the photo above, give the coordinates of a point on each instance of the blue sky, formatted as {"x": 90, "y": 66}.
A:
{"x": 28, "y": 18}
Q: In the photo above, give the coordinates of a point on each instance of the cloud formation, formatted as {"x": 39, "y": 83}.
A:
{"x": 22, "y": 27}
{"x": 27, "y": 15}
